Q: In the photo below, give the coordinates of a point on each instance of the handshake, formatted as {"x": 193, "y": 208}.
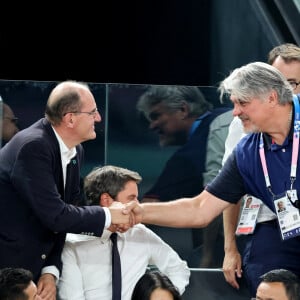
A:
{"x": 180, "y": 213}
{"x": 124, "y": 216}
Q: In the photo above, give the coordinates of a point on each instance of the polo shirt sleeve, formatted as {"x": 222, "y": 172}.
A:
{"x": 228, "y": 185}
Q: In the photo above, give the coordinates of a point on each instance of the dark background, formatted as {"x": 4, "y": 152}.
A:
{"x": 193, "y": 42}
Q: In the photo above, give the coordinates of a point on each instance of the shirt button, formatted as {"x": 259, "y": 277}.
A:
{"x": 43, "y": 256}
{"x": 283, "y": 150}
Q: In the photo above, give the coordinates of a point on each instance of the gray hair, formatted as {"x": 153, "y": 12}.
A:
{"x": 107, "y": 179}
{"x": 173, "y": 97}
{"x": 256, "y": 80}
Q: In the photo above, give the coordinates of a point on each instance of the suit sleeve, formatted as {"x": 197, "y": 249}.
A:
{"x": 34, "y": 176}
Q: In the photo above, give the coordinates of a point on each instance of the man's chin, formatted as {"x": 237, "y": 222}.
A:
{"x": 250, "y": 129}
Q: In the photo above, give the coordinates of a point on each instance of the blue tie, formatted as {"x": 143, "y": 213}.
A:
{"x": 116, "y": 269}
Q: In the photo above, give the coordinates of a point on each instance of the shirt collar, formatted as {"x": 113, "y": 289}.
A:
{"x": 106, "y": 235}
{"x": 65, "y": 152}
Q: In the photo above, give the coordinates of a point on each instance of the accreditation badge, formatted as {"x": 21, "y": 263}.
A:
{"x": 288, "y": 215}
{"x": 248, "y": 215}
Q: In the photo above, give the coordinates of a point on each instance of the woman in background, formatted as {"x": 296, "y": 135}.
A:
{"x": 154, "y": 285}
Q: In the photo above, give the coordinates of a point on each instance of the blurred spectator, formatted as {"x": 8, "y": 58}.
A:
{"x": 9, "y": 124}
{"x": 181, "y": 116}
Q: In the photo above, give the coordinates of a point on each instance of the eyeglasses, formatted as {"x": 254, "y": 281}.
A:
{"x": 13, "y": 119}
{"x": 93, "y": 112}
{"x": 294, "y": 84}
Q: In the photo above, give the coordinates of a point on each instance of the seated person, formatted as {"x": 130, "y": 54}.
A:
{"x": 155, "y": 285}
{"x": 17, "y": 284}
{"x": 278, "y": 284}
{"x": 87, "y": 262}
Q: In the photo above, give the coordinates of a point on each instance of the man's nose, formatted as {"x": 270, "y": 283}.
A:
{"x": 236, "y": 110}
{"x": 98, "y": 117}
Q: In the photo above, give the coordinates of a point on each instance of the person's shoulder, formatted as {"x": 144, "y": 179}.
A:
{"x": 223, "y": 118}
{"x": 138, "y": 230}
{"x": 74, "y": 238}
{"x": 248, "y": 139}
{"x": 222, "y": 110}
{"x": 245, "y": 147}
{"x": 35, "y": 131}
{"x": 224, "y": 113}
{"x": 147, "y": 232}
{"x": 34, "y": 135}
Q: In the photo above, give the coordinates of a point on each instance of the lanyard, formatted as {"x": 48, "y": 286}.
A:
{"x": 295, "y": 150}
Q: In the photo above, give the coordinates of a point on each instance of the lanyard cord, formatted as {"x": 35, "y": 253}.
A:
{"x": 295, "y": 150}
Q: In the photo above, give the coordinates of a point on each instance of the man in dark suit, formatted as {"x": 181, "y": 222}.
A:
{"x": 40, "y": 183}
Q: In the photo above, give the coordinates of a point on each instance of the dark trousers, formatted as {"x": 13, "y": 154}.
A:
{"x": 265, "y": 251}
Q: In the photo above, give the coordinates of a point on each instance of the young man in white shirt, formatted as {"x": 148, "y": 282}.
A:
{"x": 87, "y": 263}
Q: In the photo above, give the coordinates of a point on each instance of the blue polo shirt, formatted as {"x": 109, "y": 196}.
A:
{"x": 243, "y": 174}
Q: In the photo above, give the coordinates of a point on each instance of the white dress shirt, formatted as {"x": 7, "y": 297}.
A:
{"x": 66, "y": 155}
{"x": 87, "y": 263}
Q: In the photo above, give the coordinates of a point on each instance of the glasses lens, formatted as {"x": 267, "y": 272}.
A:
{"x": 293, "y": 84}
{"x": 94, "y": 111}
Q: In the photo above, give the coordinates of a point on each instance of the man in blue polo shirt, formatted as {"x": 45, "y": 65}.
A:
{"x": 264, "y": 163}
{"x": 252, "y": 262}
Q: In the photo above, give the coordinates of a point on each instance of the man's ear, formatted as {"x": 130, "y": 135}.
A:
{"x": 184, "y": 110}
{"x": 273, "y": 98}
{"x": 105, "y": 200}
{"x": 68, "y": 119}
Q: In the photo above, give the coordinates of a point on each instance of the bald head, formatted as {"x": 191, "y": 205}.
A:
{"x": 65, "y": 97}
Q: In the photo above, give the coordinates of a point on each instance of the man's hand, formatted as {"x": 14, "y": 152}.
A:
{"x": 122, "y": 216}
{"x": 232, "y": 267}
{"x": 46, "y": 287}
{"x": 136, "y": 209}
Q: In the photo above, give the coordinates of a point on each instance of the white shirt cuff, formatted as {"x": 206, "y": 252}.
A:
{"x": 51, "y": 270}
{"x": 107, "y": 217}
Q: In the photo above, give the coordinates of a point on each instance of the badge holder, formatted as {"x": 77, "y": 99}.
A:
{"x": 248, "y": 216}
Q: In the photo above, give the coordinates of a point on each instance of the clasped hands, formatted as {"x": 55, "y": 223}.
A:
{"x": 124, "y": 216}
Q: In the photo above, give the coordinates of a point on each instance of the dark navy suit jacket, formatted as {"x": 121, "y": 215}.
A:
{"x": 35, "y": 210}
